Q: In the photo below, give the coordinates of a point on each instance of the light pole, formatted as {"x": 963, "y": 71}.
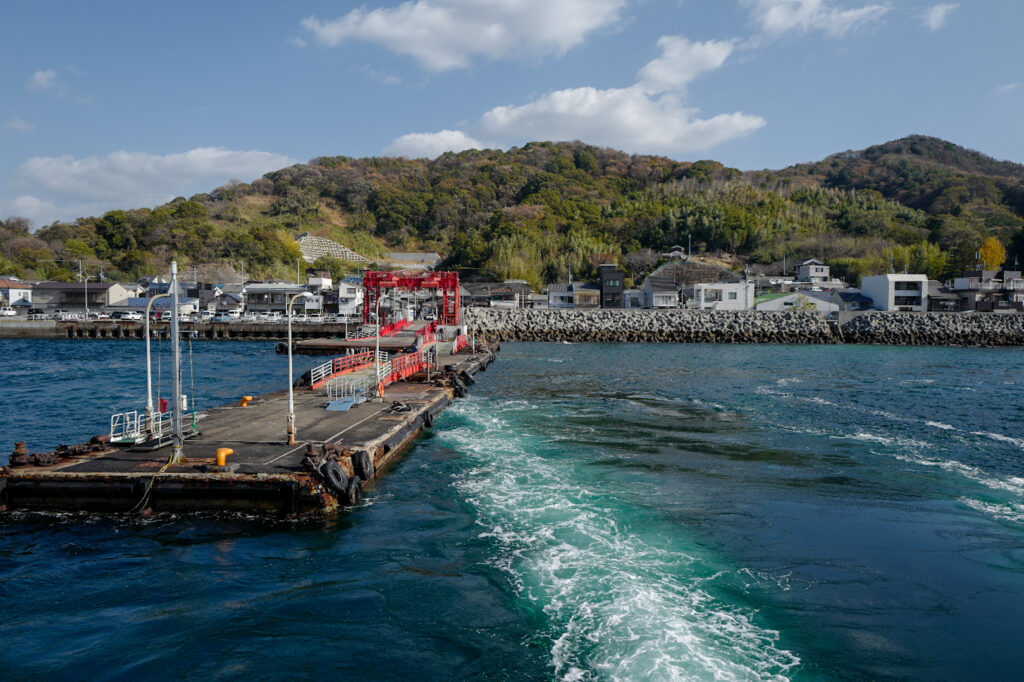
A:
{"x": 150, "y": 416}
{"x": 291, "y": 388}
{"x": 86, "y": 281}
{"x": 376, "y": 352}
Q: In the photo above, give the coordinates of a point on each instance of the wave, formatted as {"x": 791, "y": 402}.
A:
{"x": 1003, "y": 512}
{"x": 618, "y": 603}
{"x": 1019, "y": 442}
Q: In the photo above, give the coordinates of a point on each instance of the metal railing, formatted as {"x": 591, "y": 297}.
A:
{"x": 347, "y": 363}
{"x": 131, "y": 426}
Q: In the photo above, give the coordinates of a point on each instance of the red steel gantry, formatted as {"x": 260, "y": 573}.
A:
{"x": 446, "y": 283}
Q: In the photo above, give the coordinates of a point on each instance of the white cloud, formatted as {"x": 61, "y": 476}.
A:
{"x": 625, "y": 118}
{"x": 63, "y": 187}
{"x": 649, "y": 116}
{"x": 1009, "y": 87}
{"x": 45, "y": 80}
{"x": 431, "y": 145}
{"x": 447, "y": 34}
{"x": 681, "y": 62}
{"x": 935, "y": 17}
{"x": 21, "y": 125}
{"x": 776, "y": 17}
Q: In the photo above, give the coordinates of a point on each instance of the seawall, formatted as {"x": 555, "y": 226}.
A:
{"x": 690, "y": 326}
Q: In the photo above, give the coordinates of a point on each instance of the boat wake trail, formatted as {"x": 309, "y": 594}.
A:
{"x": 621, "y": 598}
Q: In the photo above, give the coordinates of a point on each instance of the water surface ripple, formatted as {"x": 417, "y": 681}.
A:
{"x": 590, "y": 512}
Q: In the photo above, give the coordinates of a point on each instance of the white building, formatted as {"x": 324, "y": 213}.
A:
{"x": 350, "y": 298}
{"x": 723, "y": 296}
{"x": 819, "y": 301}
{"x": 12, "y": 291}
{"x": 660, "y": 292}
{"x": 897, "y": 292}
{"x": 814, "y": 271}
{"x": 273, "y": 297}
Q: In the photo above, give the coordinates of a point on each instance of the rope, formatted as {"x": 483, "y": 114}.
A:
{"x": 149, "y": 487}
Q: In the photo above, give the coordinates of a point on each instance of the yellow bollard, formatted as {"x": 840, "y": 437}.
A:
{"x": 222, "y": 456}
{"x": 246, "y": 399}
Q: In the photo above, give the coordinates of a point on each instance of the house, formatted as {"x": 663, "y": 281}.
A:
{"x": 273, "y": 297}
{"x": 990, "y": 290}
{"x": 723, "y": 296}
{"x": 817, "y": 301}
{"x": 851, "y": 299}
{"x": 903, "y": 292}
{"x": 813, "y": 271}
{"x": 414, "y": 260}
{"x": 318, "y": 280}
{"x": 660, "y": 292}
{"x": 573, "y": 295}
{"x": 12, "y": 291}
{"x": 72, "y": 295}
{"x": 560, "y": 295}
{"x": 230, "y": 303}
{"x": 610, "y": 280}
{"x": 941, "y": 298}
{"x": 351, "y": 295}
{"x": 586, "y": 295}
{"x": 675, "y": 251}
{"x": 633, "y": 298}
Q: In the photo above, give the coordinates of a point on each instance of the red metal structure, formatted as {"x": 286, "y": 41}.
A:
{"x": 445, "y": 283}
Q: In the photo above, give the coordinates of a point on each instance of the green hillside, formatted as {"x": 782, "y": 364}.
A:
{"x": 535, "y": 212}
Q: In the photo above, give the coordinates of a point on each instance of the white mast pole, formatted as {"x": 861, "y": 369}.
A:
{"x": 176, "y": 447}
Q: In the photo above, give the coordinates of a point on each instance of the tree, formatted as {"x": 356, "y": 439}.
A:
{"x": 993, "y": 254}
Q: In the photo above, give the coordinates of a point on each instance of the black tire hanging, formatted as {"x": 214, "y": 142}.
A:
{"x": 354, "y": 492}
{"x": 362, "y": 465}
{"x": 428, "y": 419}
{"x": 335, "y": 478}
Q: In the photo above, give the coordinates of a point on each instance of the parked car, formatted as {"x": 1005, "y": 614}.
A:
{"x": 8, "y": 311}
{"x": 64, "y": 316}
{"x": 99, "y": 316}
{"x": 206, "y": 315}
{"x": 37, "y": 314}
{"x": 131, "y": 316}
{"x": 222, "y": 317}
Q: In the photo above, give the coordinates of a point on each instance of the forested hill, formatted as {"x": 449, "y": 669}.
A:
{"x": 535, "y": 212}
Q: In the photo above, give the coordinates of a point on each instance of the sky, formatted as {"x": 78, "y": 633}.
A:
{"x": 115, "y": 104}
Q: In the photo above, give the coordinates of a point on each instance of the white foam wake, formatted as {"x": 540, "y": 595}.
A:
{"x": 621, "y": 602}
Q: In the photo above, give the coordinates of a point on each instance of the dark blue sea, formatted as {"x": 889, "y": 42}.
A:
{"x": 590, "y": 512}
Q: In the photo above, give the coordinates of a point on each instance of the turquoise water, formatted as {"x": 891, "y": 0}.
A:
{"x": 590, "y": 512}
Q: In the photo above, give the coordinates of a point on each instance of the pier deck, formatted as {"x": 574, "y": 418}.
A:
{"x": 265, "y": 474}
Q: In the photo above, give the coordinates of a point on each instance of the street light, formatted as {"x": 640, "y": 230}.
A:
{"x": 86, "y": 281}
{"x": 150, "y": 415}
{"x": 291, "y": 381}
{"x": 376, "y": 353}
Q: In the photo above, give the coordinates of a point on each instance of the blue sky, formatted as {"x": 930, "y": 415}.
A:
{"x": 129, "y": 104}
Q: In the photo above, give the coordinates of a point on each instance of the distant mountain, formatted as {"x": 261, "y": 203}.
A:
{"x": 929, "y": 174}
{"x": 538, "y": 211}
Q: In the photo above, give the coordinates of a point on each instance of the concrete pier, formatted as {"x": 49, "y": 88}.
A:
{"x": 335, "y": 456}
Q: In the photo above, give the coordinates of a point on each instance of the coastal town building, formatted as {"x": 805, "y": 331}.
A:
{"x": 51, "y": 296}
{"x": 812, "y": 271}
{"x": 611, "y": 280}
{"x": 817, "y": 301}
{"x": 12, "y": 291}
{"x": 899, "y": 292}
{"x": 851, "y": 299}
{"x": 350, "y": 297}
{"x": 273, "y": 297}
{"x": 990, "y": 291}
{"x": 723, "y": 296}
{"x": 660, "y": 292}
{"x": 633, "y": 298}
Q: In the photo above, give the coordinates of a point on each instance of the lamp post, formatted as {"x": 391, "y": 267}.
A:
{"x": 291, "y": 381}
{"x": 86, "y": 282}
{"x": 376, "y": 353}
{"x": 150, "y": 415}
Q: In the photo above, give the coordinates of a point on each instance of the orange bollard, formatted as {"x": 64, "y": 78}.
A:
{"x": 246, "y": 399}
{"x": 222, "y": 456}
